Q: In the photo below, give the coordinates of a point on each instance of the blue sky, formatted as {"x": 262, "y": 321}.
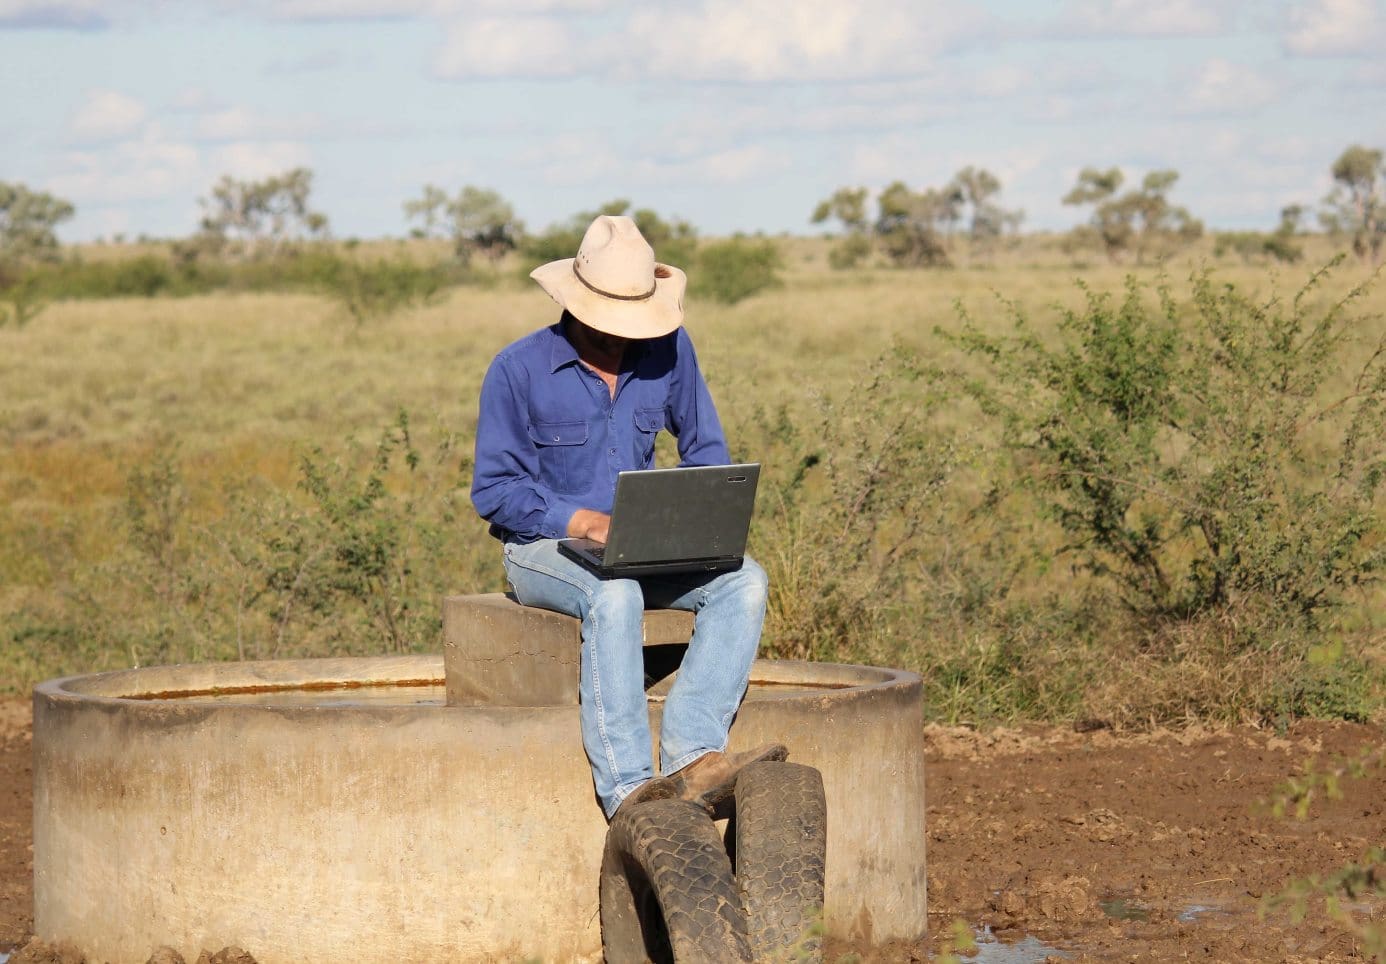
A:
{"x": 734, "y": 114}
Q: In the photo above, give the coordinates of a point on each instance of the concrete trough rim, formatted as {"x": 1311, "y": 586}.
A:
{"x": 346, "y": 673}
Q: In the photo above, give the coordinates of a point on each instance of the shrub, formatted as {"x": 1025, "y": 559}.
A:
{"x": 1201, "y": 455}
{"x": 372, "y": 290}
{"x": 1252, "y": 246}
{"x": 850, "y": 252}
{"x": 354, "y": 562}
{"x": 368, "y": 543}
{"x": 733, "y": 270}
{"x": 21, "y": 296}
{"x": 366, "y": 289}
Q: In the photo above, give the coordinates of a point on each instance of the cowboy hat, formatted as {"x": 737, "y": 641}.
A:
{"x": 614, "y": 284}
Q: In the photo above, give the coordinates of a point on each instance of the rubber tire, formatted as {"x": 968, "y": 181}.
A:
{"x": 667, "y": 890}
{"x": 780, "y": 838}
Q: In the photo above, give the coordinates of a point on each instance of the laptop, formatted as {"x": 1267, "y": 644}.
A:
{"x": 691, "y": 519}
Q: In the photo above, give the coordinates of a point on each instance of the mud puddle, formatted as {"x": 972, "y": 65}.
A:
{"x": 1026, "y": 950}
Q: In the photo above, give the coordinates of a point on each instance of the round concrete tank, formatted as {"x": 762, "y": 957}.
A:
{"x": 363, "y": 808}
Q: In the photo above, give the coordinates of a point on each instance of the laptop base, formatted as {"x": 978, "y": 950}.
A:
{"x": 577, "y": 550}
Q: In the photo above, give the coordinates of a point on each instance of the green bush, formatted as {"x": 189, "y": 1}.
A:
{"x": 373, "y": 290}
{"x": 354, "y": 562}
{"x": 366, "y": 288}
{"x": 850, "y": 252}
{"x": 22, "y": 296}
{"x": 1204, "y": 454}
{"x": 1252, "y": 246}
{"x": 733, "y": 270}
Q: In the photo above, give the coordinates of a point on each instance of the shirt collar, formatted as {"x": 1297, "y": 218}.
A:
{"x": 561, "y": 350}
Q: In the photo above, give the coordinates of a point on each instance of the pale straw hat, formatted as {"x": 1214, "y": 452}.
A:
{"x": 614, "y": 284}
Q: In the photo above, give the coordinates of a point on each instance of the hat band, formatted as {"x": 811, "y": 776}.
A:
{"x": 607, "y": 294}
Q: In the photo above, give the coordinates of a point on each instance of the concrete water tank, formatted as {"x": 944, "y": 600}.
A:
{"x": 421, "y": 808}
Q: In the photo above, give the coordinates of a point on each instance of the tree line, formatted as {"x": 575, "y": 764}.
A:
{"x": 249, "y": 227}
{"x": 921, "y": 228}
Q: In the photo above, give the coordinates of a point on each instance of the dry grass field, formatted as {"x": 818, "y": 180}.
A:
{"x": 227, "y": 476}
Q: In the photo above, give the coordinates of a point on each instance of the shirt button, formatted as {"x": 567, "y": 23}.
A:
{"x": 612, "y": 452}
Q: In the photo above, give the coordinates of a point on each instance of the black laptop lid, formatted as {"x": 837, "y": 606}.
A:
{"x": 701, "y": 512}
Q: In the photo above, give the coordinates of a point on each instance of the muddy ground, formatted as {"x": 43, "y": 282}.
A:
{"x": 1097, "y": 846}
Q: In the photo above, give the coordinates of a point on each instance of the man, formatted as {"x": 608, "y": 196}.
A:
{"x": 562, "y": 412}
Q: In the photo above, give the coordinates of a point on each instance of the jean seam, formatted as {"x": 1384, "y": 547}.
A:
{"x": 617, "y": 781}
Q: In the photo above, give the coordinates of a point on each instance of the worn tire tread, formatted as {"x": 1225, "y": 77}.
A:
{"x": 781, "y": 852}
{"x": 672, "y": 849}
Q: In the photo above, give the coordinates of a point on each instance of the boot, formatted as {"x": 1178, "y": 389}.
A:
{"x": 709, "y": 780}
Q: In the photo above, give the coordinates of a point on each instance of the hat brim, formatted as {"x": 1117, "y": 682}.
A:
{"x": 659, "y": 314}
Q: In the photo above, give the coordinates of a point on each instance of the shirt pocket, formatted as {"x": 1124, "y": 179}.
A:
{"x": 648, "y": 422}
{"x": 560, "y": 446}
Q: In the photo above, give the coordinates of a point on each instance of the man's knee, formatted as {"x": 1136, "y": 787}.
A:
{"x": 749, "y": 583}
{"x": 618, "y": 597}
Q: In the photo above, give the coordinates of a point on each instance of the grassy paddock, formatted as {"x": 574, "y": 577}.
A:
{"x": 228, "y": 476}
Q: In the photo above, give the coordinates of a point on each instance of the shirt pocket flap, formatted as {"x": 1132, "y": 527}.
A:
{"x": 649, "y": 419}
{"x": 558, "y": 433}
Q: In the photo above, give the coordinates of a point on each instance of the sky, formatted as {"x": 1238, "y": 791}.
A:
{"x": 736, "y": 115}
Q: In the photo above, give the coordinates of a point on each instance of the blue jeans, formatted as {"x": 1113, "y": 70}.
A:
{"x": 728, "y": 608}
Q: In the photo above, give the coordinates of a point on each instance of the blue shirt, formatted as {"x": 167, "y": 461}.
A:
{"x": 550, "y": 438}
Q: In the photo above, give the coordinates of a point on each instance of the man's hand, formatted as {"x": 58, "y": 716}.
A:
{"x": 589, "y": 524}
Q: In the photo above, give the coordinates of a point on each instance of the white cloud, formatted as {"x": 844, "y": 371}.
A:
{"x": 243, "y": 124}
{"x": 149, "y": 167}
{"x": 1336, "y": 28}
{"x": 197, "y": 99}
{"x": 768, "y": 40}
{"x": 843, "y": 112}
{"x": 731, "y": 166}
{"x": 248, "y": 160}
{"x": 726, "y": 41}
{"x": 508, "y": 47}
{"x": 1144, "y": 18}
{"x": 126, "y": 158}
{"x": 586, "y": 157}
{"x": 1222, "y": 87}
{"x": 106, "y": 115}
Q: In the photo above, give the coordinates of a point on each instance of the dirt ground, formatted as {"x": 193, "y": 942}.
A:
{"x": 1142, "y": 847}
{"x": 16, "y": 824}
{"x": 1096, "y": 846}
